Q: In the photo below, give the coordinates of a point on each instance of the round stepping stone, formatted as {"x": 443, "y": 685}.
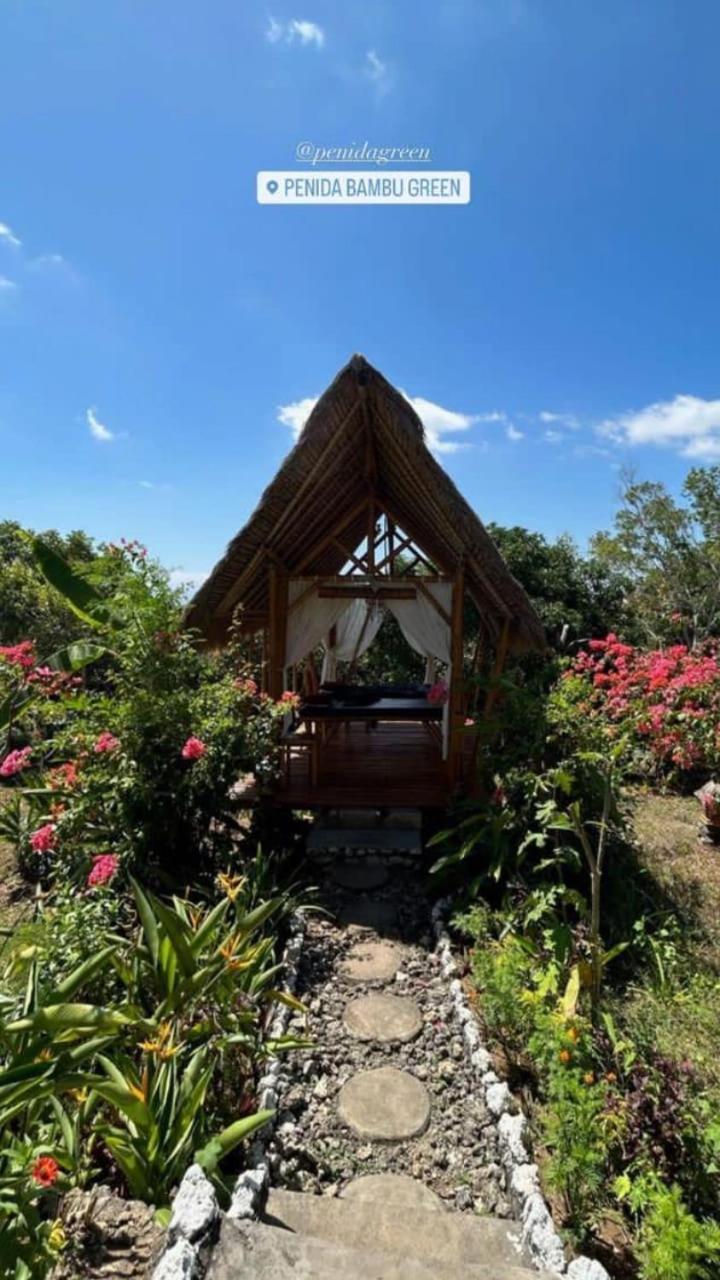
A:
{"x": 369, "y": 914}
{"x": 359, "y": 875}
{"x": 383, "y": 1018}
{"x": 386, "y": 1105}
{"x": 371, "y": 961}
{"x": 392, "y": 1188}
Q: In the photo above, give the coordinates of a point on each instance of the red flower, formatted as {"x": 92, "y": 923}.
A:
{"x": 289, "y": 699}
{"x": 45, "y": 1171}
{"x": 106, "y": 742}
{"x": 43, "y": 840}
{"x": 194, "y": 748}
{"x": 65, "y": 775}
{"x": 15, "y": 762}
{"x": 103, "y": 869}
{"x": 438, "y": 692}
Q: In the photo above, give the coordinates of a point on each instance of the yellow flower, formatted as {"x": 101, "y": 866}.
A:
{"x": 139, "y": 1091}
{"x": 80, "y": 1095}
{"x": 162, "y": 1046}
{"x": 44, "y": 1056}
{"x": 57, "y": 1238}
{"x": 230, "y": 885}
{"x": 233, "y": 962}
{"x": 573, "y": 1034}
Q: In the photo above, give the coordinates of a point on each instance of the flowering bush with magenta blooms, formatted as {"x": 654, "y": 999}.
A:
{"x": 664, "y": 703}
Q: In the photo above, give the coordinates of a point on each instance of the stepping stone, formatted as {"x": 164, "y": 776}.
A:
{"x": 385, "y": 1105}
{"x": 359, "y": 875}
{"x": 392, "y": 1189}
{"x": 371, "y": 961}
{"x": 383, "y": 1018}
{"x": 369, "y": 914}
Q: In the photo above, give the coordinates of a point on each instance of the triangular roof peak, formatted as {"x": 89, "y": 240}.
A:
{"x": 362, "y": 450}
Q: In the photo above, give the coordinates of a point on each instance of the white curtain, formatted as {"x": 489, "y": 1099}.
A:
{"x": 309, "y": 620}
{"x": 428, "y": 633}
{"x": 354, "y": 633}
{"x": 421, "y": 624}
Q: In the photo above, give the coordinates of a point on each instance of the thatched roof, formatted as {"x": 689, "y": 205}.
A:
{"x": 362, "y": 437}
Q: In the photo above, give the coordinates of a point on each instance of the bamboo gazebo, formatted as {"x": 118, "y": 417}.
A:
{"x": 361, "y": 520}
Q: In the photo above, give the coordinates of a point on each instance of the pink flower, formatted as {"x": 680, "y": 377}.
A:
{"x": 194, "y": 748}
{"x": 246, "y": 686}
{"x": 43, "y": 840}
{"x": 14, "y": 762}
{"x": 103, "y": 869}
{"x": 19, "y": 655}
{"x": 106, "y": 742}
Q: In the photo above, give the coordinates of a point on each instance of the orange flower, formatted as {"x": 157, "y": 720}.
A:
{"x": 611, "y": 1077}
{"x": 589, "y": 1078}
{"x": 45, "y": 1171}
{"x": 565, "y": 1056}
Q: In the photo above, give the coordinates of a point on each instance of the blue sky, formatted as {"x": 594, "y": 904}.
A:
{"x": 158, "y": 328}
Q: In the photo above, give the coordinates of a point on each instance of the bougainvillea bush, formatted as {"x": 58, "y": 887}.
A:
{"x": 662, "y": 704}
{"x": 132, "y": 771}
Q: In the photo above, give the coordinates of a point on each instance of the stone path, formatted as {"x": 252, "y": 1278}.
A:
{"x": 387, "y": 1093}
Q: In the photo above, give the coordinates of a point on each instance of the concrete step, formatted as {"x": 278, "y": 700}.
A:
{"x": 257, "y": 1251}
{"x": 451, "y": 1239}
{"x": 378, "y": 839}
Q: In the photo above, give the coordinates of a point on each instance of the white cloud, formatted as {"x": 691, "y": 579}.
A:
{"x": 437, "y": 421}
{"x": 7, "y": 286}
{"x": 512, "y": 433}
{"x": 97, "y": 428}
{"x": 560, "y": 419}
{"x": 146, "y": 484}
{"x": 687, "y": 423}
{"x": 553, "y": 437}
{"x": 188, "y": 579}
{"x": 295, "y": 415}
{"x": 8, "y": 236}
{"x": 378, "y": 72}
{"x": 307, "y": 33}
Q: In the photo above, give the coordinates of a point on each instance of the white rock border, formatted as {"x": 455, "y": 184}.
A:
{"x": 539, "y": 1234}
{"x": 195, "y": 1211}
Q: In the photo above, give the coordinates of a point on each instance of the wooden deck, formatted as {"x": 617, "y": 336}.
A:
{"x": 397, "y": 765}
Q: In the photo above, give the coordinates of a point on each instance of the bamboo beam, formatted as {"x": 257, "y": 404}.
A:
{"x": 371, "y": 536}
{"x": 327, "y": 541}
{"x": 364, "y": 592}
{"x": 278, "y": 591}
{"x": 457, "y": 713}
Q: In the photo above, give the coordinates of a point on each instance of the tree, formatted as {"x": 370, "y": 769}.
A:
{"x": 576, "y": 597}
{"x": 670, "y": 554}
{"x": 29, "y": 608}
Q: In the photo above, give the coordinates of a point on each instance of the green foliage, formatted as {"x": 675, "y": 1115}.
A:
{"x": 575, "y": 596}
{"x": 672, "y": 1243}
{"x": 670, "y": 554}
{"x": 143, "y": 1076}
{"x": 29, "y": 608}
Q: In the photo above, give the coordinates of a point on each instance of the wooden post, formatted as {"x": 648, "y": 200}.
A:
{"x": 456, "y": 692}
{"x": 278, "y": 630}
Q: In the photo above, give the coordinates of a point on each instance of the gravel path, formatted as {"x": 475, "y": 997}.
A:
{"x": 313, "y": 1150}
